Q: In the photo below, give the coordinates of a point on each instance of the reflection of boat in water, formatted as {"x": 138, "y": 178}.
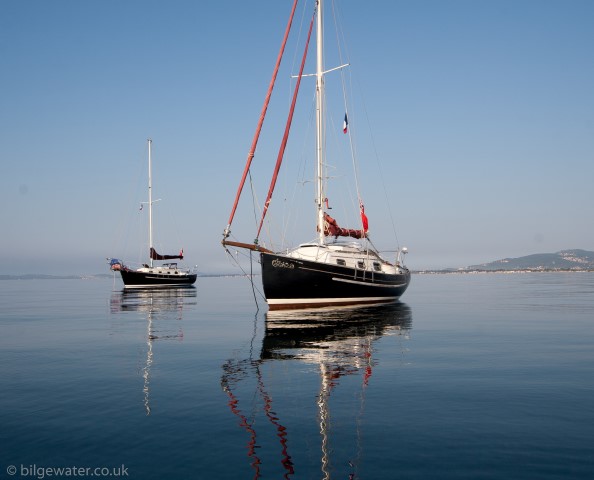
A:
{"x": 164, "y": 312}
{"x": 319, "y": 329}
{"x": 339, "y": 343}
{"x": 156, "y": 301}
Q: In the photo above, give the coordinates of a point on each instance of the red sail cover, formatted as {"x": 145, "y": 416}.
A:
{"x": 331, "y": 228}
{"x": 156, "y": 256}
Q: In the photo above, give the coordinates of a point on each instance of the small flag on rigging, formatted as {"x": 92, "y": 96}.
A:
{"x": 345, "y": 125}
{"x": 364, "y": 220}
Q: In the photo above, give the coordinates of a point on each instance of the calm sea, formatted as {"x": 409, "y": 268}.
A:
{"x": 470, "y": 377}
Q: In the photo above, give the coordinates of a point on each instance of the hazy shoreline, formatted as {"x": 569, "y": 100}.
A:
{"x": 220, "y": 275}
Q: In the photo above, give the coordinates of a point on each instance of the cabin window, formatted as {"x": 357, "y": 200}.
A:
{"x": 377, "y": 267}
{"x": 361, "y": 264}
{"x": 341, "y": 261}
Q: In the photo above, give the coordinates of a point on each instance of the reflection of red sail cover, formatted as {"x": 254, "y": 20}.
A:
{"x": 156, "y": 256}
{"x": 331, "y": 228}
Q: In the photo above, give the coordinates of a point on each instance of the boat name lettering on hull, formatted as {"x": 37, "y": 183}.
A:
{"x": 276, "y": 263}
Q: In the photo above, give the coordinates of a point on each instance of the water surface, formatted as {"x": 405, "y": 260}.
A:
{"x": 470, "y": 376}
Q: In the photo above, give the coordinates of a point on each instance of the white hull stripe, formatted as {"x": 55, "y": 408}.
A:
{"x": 296, "y": 301}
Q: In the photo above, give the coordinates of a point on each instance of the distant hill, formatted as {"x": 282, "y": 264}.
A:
{"x": 564, "y": 260}
{"x": 41, "y": 276}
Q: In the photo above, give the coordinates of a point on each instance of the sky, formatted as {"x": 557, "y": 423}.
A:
{"x": 482, "y": 115}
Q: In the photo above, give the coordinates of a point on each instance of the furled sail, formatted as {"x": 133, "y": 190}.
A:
{"x": 331, "y": 228}
{"x": 156, "y": 256}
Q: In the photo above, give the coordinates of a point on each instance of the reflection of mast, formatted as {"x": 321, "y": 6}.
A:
{"x": 340, "y": 342}
{"x": 324, "y": 419}
{"x": 233, "y": 373}
{"x": 331, "y": 370}
{"x": 149, "y": 361}
{"x": 229, "y": 377}
{"x": 165, "y": 306}
{"x": 282, "y": 431}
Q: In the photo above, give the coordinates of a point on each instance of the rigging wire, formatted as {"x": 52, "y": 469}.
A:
{"x": 250, "y": 275}
{"x": 255, "y": 204}
{"x": 368, "y": 121}
{"x": 170, "y": 214}
{"x": 340, "y": 35}
{"x": 252, "y": 282}
{"x": 293, "y": 214}
{"x": 287, "y": 128}
{"x": 261, "y": 120}
{"x": 382, "y": 177}
{"x": 124, "y": 231}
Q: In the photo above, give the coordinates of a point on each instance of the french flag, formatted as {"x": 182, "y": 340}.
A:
{"x": 345, "y": 124}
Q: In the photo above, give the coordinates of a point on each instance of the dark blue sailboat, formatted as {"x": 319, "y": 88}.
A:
{"x": 325, "y": 272}
{"x": 151, "y": 275}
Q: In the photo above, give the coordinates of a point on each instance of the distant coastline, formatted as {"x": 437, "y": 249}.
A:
{"x": 565, "y": 261}
{"x": 39, "y": 276}
{"x": 459, "y": 271}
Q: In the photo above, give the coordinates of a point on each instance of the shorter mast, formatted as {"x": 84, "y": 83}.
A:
{"x": 150, "y": 201}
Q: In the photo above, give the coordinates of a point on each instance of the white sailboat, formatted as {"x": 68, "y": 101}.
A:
{"x": 151, "y": 275}
{"x": 326, "y": 271}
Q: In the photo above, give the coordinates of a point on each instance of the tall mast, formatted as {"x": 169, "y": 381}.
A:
{"x": 150, "y": 200}
{"x": 320, "y": 121}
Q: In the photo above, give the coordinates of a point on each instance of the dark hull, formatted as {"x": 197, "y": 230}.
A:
{"x": 292, "y": 283}
{"x": 135, "y": 279}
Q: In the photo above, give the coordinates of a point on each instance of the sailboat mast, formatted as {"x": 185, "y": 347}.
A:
{"x": 150, "y": 200}
{"x": 320, "y": 121}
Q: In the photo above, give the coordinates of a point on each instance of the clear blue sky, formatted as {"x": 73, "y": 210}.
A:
{"x": 483, "y": 114}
